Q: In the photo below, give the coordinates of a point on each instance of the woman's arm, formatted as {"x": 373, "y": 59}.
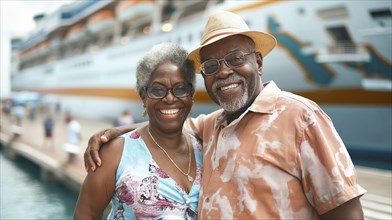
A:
{"x": 98, "y": 187}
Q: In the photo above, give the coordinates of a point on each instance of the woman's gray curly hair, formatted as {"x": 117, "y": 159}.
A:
{"x": 162, "y": 53}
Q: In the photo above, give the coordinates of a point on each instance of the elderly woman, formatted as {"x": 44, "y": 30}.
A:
{"x": 153, "y": 171}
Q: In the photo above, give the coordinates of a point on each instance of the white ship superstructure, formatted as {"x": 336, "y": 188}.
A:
{"x": 337, "y": 53}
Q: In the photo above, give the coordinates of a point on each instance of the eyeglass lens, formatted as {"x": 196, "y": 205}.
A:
{"x": 232, "y": 60}
{"x": 179, "y": 91}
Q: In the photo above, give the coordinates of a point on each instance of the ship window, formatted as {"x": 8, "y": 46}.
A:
{"x": 301, "y": 11}
{"x": 382, "y": 16}
{"x": 382, "y": 13}
{"x": 193, "y": 8}
{"x": 49, "y": 70}
{"x": 333, "y": 13}
{"x": 342, "y": 40}
{"x": 339, "y": 34}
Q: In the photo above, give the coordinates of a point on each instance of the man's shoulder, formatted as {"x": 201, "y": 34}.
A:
{"x": 211, "y": 116}
{"x": 297, "y": 101}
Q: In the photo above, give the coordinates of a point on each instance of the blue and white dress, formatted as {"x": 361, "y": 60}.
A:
{"x": 144, "y": 191}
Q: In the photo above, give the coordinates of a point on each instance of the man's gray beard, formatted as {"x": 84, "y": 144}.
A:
{"x": 233, "y": 105}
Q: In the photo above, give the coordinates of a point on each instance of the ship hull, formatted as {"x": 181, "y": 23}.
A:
{"x": 351, "y": 83}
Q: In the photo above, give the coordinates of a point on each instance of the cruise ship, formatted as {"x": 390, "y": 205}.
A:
{"x": 337, "y": 53}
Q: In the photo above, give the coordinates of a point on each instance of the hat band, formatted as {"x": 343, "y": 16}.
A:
{"x": 216, "y": 35}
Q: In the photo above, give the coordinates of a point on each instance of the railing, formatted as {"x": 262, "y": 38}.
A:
{"x": 346, "y": 48}
{"x": 343, "y": 52}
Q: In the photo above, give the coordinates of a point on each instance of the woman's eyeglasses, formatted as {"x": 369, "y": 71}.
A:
{"x": 159, "y": 92}
{"x": 232, "y": 60}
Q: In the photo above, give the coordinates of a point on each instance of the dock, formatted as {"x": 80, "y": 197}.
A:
{"x": 28, "y": 140}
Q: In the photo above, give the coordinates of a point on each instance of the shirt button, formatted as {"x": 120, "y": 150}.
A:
{"x": 187, "y": 201}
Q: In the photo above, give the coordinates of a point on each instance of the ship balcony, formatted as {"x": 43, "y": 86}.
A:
{"x": 128, "y": 10}
{"x": 75, "y": 33}
{"x": 343, "y": 52}
{"x": 37, "y": 51}
{"x": 42, "y": 51}
{"x": 56, "y": 43}
{"x": 101, "y": 22}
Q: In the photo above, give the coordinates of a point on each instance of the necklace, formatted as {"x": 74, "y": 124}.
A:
{"x": 168, "y": 156}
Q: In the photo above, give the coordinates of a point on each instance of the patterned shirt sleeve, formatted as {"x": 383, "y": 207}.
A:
{"x": 328, "y": 174}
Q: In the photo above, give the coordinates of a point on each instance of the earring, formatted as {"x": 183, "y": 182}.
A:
{"x": 144, "y": 113}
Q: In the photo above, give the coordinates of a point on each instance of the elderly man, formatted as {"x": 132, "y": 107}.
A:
{"x": 268, "y": 154}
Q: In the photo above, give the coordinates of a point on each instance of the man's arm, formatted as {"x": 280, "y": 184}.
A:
{"x": 91, "y": 154}
{"x": 328, "y": 149}
{"x": 351, "y": 209}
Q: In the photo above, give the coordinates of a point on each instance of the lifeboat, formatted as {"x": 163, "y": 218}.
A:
{"x": 127, "y": 10}
{"x": 25, "y": 55}
{"x": 43, "y": 47}
{"x": 35, "y": 51}
{"x": 75, "y": 33}
{"x": 102, "y": 21}
{"x": 56, "y": 43}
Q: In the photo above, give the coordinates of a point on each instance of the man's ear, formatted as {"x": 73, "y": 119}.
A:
{"x": 259, "y": 59}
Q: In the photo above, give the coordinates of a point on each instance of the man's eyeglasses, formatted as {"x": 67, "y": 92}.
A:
{"x": 232, "y": 60}
{"x": 159, "y": 92}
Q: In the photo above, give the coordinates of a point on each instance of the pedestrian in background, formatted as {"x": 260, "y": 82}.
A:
{"x": 125, "y": 118}
{"x": 74, "y": 138}
{"x": 19, "y": 112}
{"x": 48, "y": 128}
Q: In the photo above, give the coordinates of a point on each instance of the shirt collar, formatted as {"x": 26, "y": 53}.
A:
{"x": 264, "y": 103}
{"x": 266, "y": 100}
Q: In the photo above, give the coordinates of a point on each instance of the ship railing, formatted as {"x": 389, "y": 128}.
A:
{"x": 343, "y": 52}
{"x": 56, "y": 43}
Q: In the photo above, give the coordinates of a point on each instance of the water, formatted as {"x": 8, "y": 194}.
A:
{"x": 25, "y": 196}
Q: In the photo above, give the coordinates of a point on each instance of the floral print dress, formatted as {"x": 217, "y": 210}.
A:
{"x": 144, "y": 191}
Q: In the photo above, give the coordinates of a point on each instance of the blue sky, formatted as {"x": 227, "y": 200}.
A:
{"x": 17, "y": 21}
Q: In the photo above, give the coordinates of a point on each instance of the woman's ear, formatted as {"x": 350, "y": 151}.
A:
{"x": 143, "y": 95}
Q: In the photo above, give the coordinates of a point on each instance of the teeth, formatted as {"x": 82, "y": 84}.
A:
{"x": 169, "y": 111}
{"x": 231, "y": 86}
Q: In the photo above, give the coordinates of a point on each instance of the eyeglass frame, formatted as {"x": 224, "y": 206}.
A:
{"x": 169, "y": 89}
{"x": 224, "y": 60}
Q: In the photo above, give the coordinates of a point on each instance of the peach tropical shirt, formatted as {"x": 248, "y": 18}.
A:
{"x": 282, "y": 158}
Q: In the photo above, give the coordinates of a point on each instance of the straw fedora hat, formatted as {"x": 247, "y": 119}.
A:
{"x": 223, "y": 24}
